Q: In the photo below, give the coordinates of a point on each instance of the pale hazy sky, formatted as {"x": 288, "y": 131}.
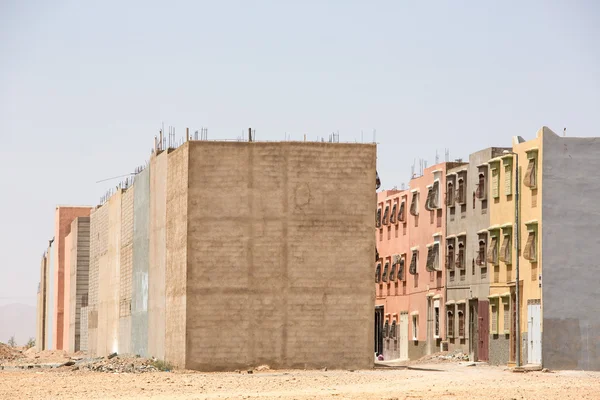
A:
{"x": 84, "y": 87}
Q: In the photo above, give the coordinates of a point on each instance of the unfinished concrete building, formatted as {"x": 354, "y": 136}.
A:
{"x": 76, "y": 270}
{"x": 224, "y": 255}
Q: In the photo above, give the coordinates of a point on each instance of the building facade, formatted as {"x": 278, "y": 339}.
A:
{"x": 410, "y": 274}
{"x": 245, "y": 239}
{"x": 470, "y": 250}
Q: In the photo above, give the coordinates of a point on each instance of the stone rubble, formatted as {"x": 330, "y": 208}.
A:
{"x": 116, "y": 364}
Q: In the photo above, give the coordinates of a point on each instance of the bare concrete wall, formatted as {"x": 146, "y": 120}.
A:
{"x": 126, "y": 271}
{"x": 280, "y": 250}
{"x": 109, "y": 274}
{"x": 140, "y": 261}
{"x": 570, "y": 289}
{"x": 158, "y": 256}
{"x": 98, "y": 249}
{"x": 176, "y": 266}
{"x": 79, "y": 271}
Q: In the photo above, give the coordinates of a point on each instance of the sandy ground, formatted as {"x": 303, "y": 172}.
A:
{"x": 437, "y": 381}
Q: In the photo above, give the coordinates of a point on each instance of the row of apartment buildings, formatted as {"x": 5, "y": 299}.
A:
{"x": 449, "y": 248}
{"x": 221, "y": 256}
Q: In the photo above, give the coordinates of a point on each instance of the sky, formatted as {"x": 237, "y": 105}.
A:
{"x": 85, "y": 87}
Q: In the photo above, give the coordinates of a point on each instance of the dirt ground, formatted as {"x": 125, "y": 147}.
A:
{"x": 436, "y": 381}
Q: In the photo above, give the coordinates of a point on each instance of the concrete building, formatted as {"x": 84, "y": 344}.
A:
{"x": 64, "y": 216}
{"x": 469, "y": 269}
{"x": 426, "y": 273}
{"x": 250, "y": 240}
{"x": 56, "y": 314}
{"x": 502, "y": 296}
{"x": 77, "y": 265}
{"x": 392, "y": 302}
{"x": 410, "y": 275}
{"x": 568, "y": 244}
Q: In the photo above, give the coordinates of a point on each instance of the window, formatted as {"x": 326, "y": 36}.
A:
{"x": 414, "y": 204}
{"x": 393, "y": 333}
{"x": 378, "y": 273}
{"x": 460, "y": 258}
{"x": 389, "y": 230}
{"x": 378, "y": 218}
{"x": 386, "y": 329}
{"x": 506, "y": 302}
{"x": 481, "y": 189}
{"x": 508, "y": 177}
{"x": 393, "y": 270}
{"x": 84, "y": 300}
{"x": 415, "y": 327}
{"x": 436, "y": 315}
{"x": 450, "y": 324}
{"x": 429, "y": 202}
{"x": 393, "y": 214}
{"x": 461, "y": 321}
{"x": 430, "y": 259}
{"x": 530, "y": 178}
{"x": 451, "y": 277}
{"x": 450, "y": 254}
{"x": 494, "y": 316}
{"x": 461, "y": 193}
{"x": 401, "y": 268}
{"x": 481, "y": 253}
{"x": 436, "y": 257}
{"x": 505, "y": 253}
{"x": 384, "y": 278}
{"x": 495, "y": 182}
{"x": 492, "y": 254}
{"x": 450, "y": 198}
{"x": 401, "y": 214}
{"x": 413, "y": 263}
{"x": 530, "y": 252}
{"x": 436, "y": 195}
{"x": 386, "y": 215}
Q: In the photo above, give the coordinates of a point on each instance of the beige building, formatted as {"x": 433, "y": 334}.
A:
{"x": 243, "y": 253}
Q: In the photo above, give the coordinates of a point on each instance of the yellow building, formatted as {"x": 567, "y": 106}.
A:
{"x": 502, "y": 252}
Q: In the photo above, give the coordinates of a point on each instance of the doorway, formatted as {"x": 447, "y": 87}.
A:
{"x": 483, "y": 331}
{"x": 378, "y": 330}
{"x": 473, "y": 336}
{"x": 404, "y": 336}
{"x": 534, "y": 325}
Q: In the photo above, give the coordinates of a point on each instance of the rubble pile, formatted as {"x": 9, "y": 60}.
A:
{"x": 455, "y": 356}
{"x": 8, "y": 353}
{"x": 116, "y": 364}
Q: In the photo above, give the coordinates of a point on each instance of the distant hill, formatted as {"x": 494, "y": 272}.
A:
{"x": 17, "y": 320}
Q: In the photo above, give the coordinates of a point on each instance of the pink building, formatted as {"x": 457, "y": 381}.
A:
{"x": 410, "y": 274}
{"x": 64, "y": 215}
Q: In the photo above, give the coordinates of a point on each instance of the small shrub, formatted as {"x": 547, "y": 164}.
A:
{"x": 30, "y": 343}
{"x": 12, "y": 342}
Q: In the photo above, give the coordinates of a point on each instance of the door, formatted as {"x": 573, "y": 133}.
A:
{"x": 378, "y": 330}
{"x": 473, "y": 344}
{"x": 483, "y": 330}
{"x": 429, "y": 327}
{"x": 534, "y": 335}
{"x": 513, "y": 327}
{"x": 404, "y": 336}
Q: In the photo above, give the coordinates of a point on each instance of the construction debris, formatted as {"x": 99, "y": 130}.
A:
{"x": 117, "y": 364}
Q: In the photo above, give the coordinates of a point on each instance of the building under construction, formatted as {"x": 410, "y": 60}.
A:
{"x": 223, "y": 255}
